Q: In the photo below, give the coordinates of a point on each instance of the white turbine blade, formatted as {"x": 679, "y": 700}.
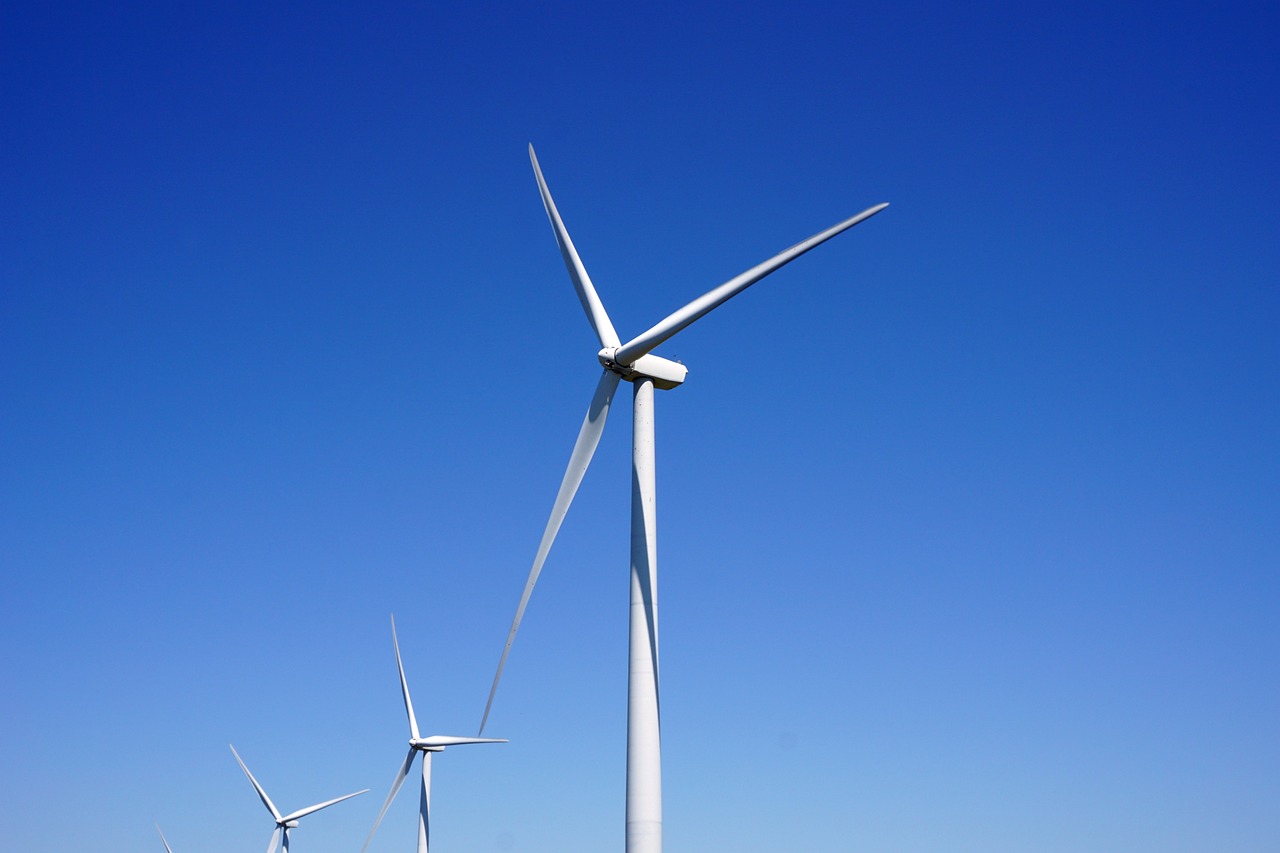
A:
{"x": 644, "y": 343}
{"x": 395, "y": 789}
{"x": 404, "y": 685}
{"x": 275, "y": 839}
{"x": 266, "y": 801}
{"x": 581, "y": 281}
{"x": 583, "y": 449}
{"x": 163, "y": 840}
{"x": 449, "y": 740}
{"x": 301, "y": 813}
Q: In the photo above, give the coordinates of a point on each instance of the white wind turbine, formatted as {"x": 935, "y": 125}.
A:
{"x": 164, "y": 840}
{"x": 423, "y": 746}
{"x": 284, "y": 823}
{"x": 634, "y": 362}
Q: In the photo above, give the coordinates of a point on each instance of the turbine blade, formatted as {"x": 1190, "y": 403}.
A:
{"x": 395, "y": 789}
{"x": 164, "y": 840}
{"x": 275, "y": 839}
{"x": 581, "y": 281}
{"x": 583, "y": 449}
{"x": 266, "y": 801}
{"x": 449, "y": 740}
{"x": 404, "y": 685}
{"x": 301, "y": 813}
{"x": 645, "y": 343}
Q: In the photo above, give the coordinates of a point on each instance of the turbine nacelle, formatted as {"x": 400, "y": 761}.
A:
{"x": 666, "y": 374}
{"x": 437, "y": 743}
{"x": 288, "y": 824}
{"x": 417, "y": 743}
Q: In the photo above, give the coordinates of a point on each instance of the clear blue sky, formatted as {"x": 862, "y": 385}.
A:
{"x": 969, "y": 520}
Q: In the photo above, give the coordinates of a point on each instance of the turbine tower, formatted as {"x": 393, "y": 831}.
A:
{"x": 423, "y": 746}
{"x": 284, "y": 823}
{"x": 634, "y": 362}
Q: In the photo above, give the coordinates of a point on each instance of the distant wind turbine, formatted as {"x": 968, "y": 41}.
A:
{"x": 284, "y": 823}
{"x": 634, "y": 362}
{"x": 423, "y": 746}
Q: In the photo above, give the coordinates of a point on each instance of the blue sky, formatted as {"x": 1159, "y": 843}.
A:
{"x": 968, "y": 519}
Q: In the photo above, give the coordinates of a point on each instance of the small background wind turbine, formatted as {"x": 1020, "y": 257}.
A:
{"x": 635, "y": 363}
{"x": 284, "y": 823}
{"x": 423, "y": 746}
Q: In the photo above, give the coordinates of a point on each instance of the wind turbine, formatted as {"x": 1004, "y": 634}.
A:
{"x": 164, "y": 840}
{"x": 423, "y": 746}
{"x": 634, "y": 362}
{"x": 290, "y": 821}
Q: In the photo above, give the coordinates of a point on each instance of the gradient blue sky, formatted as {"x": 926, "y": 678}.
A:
{"x": 969, "y": 520}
